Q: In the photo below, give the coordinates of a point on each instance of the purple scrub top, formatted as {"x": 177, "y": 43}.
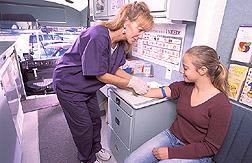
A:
{"x": 90, "y": 55}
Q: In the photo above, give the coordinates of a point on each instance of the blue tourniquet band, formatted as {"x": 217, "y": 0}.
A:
{"x": 163, "y": 91}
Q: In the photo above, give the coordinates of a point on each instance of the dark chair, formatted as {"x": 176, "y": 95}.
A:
{"x": 237, "y": 145}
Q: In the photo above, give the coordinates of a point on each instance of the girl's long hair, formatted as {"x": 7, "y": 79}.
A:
{"x": 208, "y": 57}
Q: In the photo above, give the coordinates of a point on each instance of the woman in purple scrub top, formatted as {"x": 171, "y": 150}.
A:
{"x": 93, "y": 61}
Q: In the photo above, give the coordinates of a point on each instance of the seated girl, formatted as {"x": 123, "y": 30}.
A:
{"x": 203, "y": 112}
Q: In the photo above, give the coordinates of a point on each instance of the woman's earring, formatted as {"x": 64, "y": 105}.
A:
{"x": 124, "y": 28}
{"x": 124, "y": 31}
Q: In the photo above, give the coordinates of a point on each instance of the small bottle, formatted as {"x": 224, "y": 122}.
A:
{"x": 147, "y": 69}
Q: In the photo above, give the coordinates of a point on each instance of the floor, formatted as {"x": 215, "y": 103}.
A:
{"x": 30, "y": 142}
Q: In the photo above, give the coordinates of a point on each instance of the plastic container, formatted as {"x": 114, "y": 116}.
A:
{"x": 147, "y": 69}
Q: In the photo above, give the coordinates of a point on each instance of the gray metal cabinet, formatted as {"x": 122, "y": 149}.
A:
{"x": 10, "y": 148}
{"x": 186, "y": 10}
{"x": 173, "y": 9}
{"x": 130, "y": 127}
{"x": 11, "y": 114}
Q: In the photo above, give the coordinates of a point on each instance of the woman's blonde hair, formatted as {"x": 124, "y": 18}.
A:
{"x": 208, "y": 57}
{"x": 138, "y": 12}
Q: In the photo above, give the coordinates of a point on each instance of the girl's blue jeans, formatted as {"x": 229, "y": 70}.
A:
{"x": 165, "y": 139}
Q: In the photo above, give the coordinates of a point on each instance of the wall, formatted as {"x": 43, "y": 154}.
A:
{"x": 236, "y": 13}
{"x": 209, "y": 20}
{"x": 47, "y": 13}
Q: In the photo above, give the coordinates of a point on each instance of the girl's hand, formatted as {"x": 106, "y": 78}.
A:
{"x": 154, "y": 93}
{"x": 149, "y": 93}
{"x": 157, "y": 92}
{"x": 161, "y": 153}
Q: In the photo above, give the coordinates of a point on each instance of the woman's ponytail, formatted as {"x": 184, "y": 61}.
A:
{"x": 220, "y": 79}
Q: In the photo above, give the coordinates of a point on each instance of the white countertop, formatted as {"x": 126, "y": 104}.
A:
{"x": 137, "y": 101}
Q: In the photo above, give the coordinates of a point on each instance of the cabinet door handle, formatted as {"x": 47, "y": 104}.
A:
{"x": 117, "y": 101}
{"x": 117, "y": 121}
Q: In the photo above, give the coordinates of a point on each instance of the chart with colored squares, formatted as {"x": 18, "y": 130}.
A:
{"x": 163, "y": 45}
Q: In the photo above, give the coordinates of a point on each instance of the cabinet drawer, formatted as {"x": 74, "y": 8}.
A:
{"x": 116, "y": 146}
{"x": 120, "y": 102}
{"x": 120, "y": 121}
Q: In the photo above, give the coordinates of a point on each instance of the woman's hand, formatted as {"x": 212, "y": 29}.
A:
{"x": 139, "y": 86}
{"x": 161, "y": 153}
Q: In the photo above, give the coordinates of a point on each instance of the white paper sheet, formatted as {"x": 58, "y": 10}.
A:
{"x": 137, "y": 101}
{"x": 242, "y": 50}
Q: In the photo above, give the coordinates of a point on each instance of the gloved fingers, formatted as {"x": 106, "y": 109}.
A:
{"x": 141, "y": 89}
{"x": 139, "y": 85}
{"x": 132, "y": 82}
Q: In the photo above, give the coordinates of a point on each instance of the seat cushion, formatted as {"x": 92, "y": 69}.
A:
{"x": 237, "y": 145}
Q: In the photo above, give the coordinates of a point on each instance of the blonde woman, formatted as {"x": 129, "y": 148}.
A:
{"x": 93, "y": 61}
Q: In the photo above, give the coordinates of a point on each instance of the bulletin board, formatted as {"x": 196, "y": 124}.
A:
{"x": 115, "y": 5}
{"x": 241, "y": 58}
{"x": 100, "y": 8}
{"x": 163, "y": 45}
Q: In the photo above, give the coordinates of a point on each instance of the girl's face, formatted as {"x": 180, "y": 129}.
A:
{"x": 190, "y": 74}
{"x": 133, "y": 32}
